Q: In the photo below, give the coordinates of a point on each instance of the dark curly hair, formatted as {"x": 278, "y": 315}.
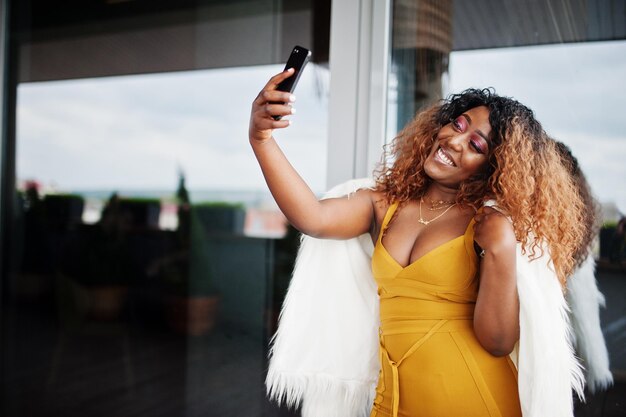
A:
{"x": 524, "y": 174}
{"x": 418, "y": 136}
{"x": 591, "y": 219}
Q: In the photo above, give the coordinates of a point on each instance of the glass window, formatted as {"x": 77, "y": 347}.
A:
{"x": 148, "y": 259}
{"x": 565, "y": 61}
{"x": 574, "y": 90}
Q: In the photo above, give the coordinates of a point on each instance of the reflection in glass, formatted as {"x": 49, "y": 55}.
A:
{"x": 575, "y": 88}
{"x": 421, "y": 44}
{"x": 150, "y": 261}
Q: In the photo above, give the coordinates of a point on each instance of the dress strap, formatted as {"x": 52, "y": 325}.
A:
{"x": 481, "y": 385}
{"x": 395, "y": 401}
{"x": 469, "y": 240}
{"x": 388, "y": 215}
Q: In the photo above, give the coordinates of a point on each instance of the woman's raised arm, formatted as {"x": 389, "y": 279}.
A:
{"x": 332, "y": 218}
{"x": 496, "y": 315}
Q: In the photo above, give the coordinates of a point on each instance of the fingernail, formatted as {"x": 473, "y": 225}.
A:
{"x": 292, "y": 98}
{"x": 291, "y": 70}
{"x": 290, "y": 122}
{"x": 293, "y": 111}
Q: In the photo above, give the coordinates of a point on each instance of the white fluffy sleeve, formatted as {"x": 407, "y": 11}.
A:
{"x": 585, "y": 300}
{"x": 325, "y": 352}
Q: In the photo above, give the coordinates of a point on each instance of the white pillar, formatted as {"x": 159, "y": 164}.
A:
{"x": 359, "y": 61}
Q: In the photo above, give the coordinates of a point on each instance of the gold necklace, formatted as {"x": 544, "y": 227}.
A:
{"x": 439, "y": 204}
{"x": 427, "y": 222}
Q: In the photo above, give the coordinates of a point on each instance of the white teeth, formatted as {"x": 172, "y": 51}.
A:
{"x": 444, "y": 158}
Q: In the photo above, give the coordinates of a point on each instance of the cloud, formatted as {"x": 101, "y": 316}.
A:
{"x": 135, "y": 131}
{"x": 577, "y": 92}
{"x": 580, "y": 85}
{"x": 602, "y": 161}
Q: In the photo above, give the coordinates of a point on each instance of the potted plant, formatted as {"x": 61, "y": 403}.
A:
{"x": 192, "y": 300}
{"x": 220, "y": 217}
{"x": 63, "y": 210}
{"x": 140, "y": 213}
{"x": 105, "y": 268}
{"x": 607, "y": 233}
{"x": 36, "y": 262}
{"x": 613, "y": 241}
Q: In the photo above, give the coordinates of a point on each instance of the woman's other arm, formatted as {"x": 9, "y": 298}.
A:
{"x": 332, "y": 218}
{"x": 496, "y": 316}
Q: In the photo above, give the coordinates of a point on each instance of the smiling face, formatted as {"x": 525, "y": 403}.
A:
{"x": 461, "y": 148}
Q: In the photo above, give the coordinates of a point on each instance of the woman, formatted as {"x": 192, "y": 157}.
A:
{"x": 583, "y": 296}
{"x": 445, "y": 267}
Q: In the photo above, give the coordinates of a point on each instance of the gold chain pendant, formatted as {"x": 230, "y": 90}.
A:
{"x": 426, "y": 222}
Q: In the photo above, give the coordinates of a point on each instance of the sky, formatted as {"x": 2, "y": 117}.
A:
{"x": 135, "y": 132}
{"x": 578, "y": 93}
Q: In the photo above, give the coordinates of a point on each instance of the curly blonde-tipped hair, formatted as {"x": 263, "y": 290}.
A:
{"x": 591, "y": 219}
{"x": 524, "y": 174}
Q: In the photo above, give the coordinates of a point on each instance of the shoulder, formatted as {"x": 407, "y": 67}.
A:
{"x": 493, "y": 223}
{"x": 494, "y": 216}
{"x": 379, "y": 202}
{"x": 376, "y": 199}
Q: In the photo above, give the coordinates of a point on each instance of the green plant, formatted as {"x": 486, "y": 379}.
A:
{"x": 220, "y": 204}
{"x": 220, "y": 217}
{"x": 63, "y": 210}
{"x": 104, "y": 254}
{"x": 188, "y": 271}
{"x": 107, "y": 261}
{"x": 192, "y": 273}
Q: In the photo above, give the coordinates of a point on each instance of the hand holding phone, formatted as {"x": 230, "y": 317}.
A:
{"x": 297, "y": 60}
{"x": 274, "y": 100}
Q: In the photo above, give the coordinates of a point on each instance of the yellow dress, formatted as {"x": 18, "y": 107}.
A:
{"x": 432, "y": 364}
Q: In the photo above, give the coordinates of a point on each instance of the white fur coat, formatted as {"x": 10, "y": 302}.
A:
{"x": 324, "y": 355}
{"x": 585, "y": 300}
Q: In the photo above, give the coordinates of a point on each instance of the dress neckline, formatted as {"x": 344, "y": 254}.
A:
{"x": 390, "y": 211}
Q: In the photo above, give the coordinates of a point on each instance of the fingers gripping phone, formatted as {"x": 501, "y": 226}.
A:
{"x": 297, "y": 60}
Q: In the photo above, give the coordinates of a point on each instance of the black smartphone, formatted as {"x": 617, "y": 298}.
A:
{"x": 297, "y": 60}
